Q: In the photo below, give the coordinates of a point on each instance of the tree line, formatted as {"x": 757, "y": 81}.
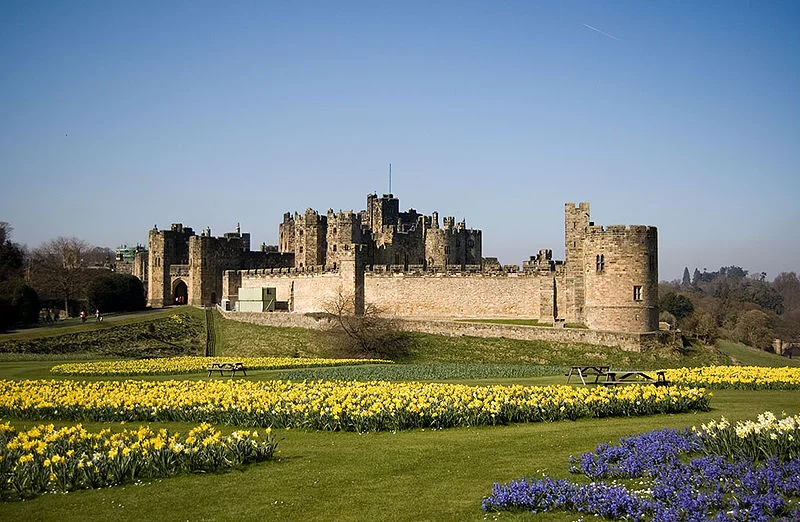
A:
{"x": 731, "y": 303}
{"x": 60, "y": 278}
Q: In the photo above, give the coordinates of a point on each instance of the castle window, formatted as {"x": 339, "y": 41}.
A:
{"x": 637, "y": 293}
{"x": 470, "y": 243}
{"x": 600, "y": 263}
{"x": 447, "y": 250}
{"x": 334, "y": 230}
{"x": 301, "y": 250}
{"x": 334, "y": 248}
{"x": 300, "y": 232}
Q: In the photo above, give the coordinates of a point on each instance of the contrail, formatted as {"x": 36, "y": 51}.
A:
{"x": 601, "y": 32}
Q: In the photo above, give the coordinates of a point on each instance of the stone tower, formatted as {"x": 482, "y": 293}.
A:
{"x": 310, "y": 234}
{"x": 576, "y": 225}
{"x": 286, "y": 234}
{"x": 382, "y": 212}
{"x": 167, "y": 249}
{"x": 344, "y": 229}
{"x": 620, "y": 272}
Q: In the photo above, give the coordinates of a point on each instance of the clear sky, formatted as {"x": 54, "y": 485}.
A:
{"x": 115, "y": 116}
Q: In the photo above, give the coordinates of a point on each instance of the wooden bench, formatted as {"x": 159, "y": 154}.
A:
{"x": 587, "y": 370}
{"x": 223, "y": 368}
{"x": 636, "y": 377}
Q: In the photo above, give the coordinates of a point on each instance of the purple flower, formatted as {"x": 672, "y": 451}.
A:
{"x": 681, "y": 488}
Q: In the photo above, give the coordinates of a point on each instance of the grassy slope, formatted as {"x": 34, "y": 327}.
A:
{"x": 248, "y": 340}
{"x": 74, "y": 325}
{"x": 147, "y": 334}
{"x": 749, "y": 356}
{"x": 242, "y": 339}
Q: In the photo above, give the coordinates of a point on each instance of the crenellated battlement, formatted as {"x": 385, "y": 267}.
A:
{"x": 622, "y": 229}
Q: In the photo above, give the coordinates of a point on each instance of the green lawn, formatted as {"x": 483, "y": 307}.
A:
{"x": 407, "y": 475}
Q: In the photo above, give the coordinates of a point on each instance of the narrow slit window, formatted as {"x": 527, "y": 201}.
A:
{"x": 637, "y": 293}
{"x": 600, "y": 262}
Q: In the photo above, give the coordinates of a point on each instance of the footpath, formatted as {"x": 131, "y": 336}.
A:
{"x": 75, "y": 321}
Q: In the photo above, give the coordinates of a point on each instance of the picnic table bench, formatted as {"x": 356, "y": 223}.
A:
{"x": 223, "y": 368}
{"x": 636, "y": 376}
{"x": 587, "y": 370}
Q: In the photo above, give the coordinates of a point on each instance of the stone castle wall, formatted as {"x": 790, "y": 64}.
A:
{"x": 454, "y": 295}
{"x": 408, "y": 295}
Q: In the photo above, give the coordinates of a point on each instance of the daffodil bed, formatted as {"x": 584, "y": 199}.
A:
{"x": 189, "y": 364}
{"x": 44, "y": 458}
{"x": 750, "y": 471}
{"x": 334, "y": 405}
{"x": 738, "y": 377}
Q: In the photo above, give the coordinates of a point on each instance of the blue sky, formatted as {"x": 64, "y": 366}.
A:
{"x": 115, "y": 116}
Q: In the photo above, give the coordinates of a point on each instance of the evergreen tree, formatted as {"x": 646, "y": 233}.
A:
{"x": 686, "y": 280}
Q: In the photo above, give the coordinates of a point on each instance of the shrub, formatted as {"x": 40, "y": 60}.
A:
{"x": 19, "y": 304}
{"x": 114, "y": 292}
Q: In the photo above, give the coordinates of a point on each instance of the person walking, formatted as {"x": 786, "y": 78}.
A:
{"x": 98, "y": 316}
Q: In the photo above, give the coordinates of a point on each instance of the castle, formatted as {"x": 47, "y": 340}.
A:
{"x": 386, "y": 235}
{"x": 407, "y": 265}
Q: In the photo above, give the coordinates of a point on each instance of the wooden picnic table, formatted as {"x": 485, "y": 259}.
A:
{"x": 222, "y": 368}
{"x": 657, "y": 377}
{"x": 584, "y": 371}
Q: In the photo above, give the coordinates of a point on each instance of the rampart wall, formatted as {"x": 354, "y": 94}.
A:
{"x": 410, "y": 295}
{"x": 304, "y": 291}
{"x": 451, "y": 295}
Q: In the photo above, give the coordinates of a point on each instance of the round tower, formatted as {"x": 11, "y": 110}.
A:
{"x": 620, "y": 272}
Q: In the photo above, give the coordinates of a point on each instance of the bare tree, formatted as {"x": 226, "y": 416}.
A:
{"x": 58, "y": 267}
{"x": 370, "y": 334}
{"x": 99, "y": 257}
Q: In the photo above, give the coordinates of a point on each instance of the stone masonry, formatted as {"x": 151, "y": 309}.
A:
{"x": 408, "y": 266}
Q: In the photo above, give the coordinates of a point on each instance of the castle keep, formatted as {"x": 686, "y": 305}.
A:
{"x": 387, "y": 237}
{"x": 409, "y": 266}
